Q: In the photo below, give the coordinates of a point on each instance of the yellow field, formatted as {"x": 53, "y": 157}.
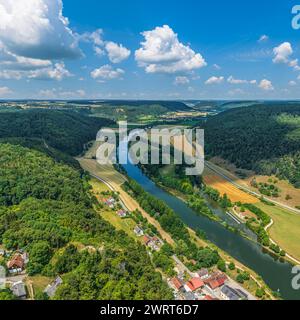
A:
{"x": 225, "y": 187}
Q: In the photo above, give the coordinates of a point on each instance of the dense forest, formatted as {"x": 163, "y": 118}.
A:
{"x": 47, "y": 210}
{"x": 263, "y": 138}
{"x": 62, "y": 130}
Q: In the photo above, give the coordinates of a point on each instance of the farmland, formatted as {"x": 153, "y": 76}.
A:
{"x": 285, "y": 230}
{"x": 225, "y": 187}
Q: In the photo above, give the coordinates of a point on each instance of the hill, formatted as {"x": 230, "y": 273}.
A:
{"x": 263, "y": 138}
{"x": 47, "y": 210}
{"x": 62, "y": 130}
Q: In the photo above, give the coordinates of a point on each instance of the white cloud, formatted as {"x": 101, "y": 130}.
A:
{"x": 116, "y": 52}
{"x": 292, "y": 83}
{"x": 266, "y": 85}
{"x": 37, "y": 29}
{"x": 4, "y": 91}
{"x": 181, "y": 80}
{"x": 161, "y": 52}
{"x": 282, "y": 53}
{"x": 58, "y": 72}
{"x": 107, "y": 72}
{"x": 236, "y": 92}
{"x": 232, "y": 80}
{"x": 217, "y": 67}
{"x": 263, "y": 38}
{"x": 214, "y": 80}
{"x": 60, "y": 94}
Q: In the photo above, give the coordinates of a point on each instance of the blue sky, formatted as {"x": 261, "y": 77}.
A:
{"x": 148, "y": 49}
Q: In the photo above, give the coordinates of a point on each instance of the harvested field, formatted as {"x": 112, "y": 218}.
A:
{"x": 225, "y": 187}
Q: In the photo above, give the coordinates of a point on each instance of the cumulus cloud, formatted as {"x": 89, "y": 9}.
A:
{"x": 180, "y": 80}
{"x": 116, "y": 52}
{"x": 37, "y": 29}
{"x": 162, "y": 52}
{"x": 107, "y": 72}
{"x": 232, "y": 80}
{"x": 282, "y": 53}
{"x": 58, "y": 72}
{"x": 266, "y": 85}
{"x": 4, "y": 91}
{"x": 214, "y": 80}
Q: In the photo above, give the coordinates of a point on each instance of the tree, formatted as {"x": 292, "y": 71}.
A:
{"x": 260, "y": 293}
{"x": 221, "y": 265}
{"x": 231, "y": 266}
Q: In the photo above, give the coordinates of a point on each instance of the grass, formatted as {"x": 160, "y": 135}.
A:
{"x": 127, "y": 225}
{"x": 98, "y": 186}
{"x": 285, "y": 230}
{"x": 39, "y": 283}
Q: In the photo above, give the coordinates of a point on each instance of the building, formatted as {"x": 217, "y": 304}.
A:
{"x": 146, "y": 240}
{"x": 52, "y": 287}
{"x": 216, "y": 280}
{"x": 16, "y": 264}
{"x": 194, "y": 284}
{"x": 203, "y": 274}
{"x": 2, "y": 252}
{"x": 228, "y": 293}
{"x": 176, "y": 284}
{"x": 19, "y": 290}
{"x": 138, "y": 231}
{"x": 122, "y": 213}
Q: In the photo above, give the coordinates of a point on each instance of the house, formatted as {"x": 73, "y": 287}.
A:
{"x": 2, "y": 252}
{"x": 110, "y": 202}
{"x": 16, "y": 264}
{"x": 203, "y": 274}
{"x": 122, "y": 213}
{"x": 19, "y": 290}
{"x": 52, "y": 287}
{"x": 216, "y": 280}
{"x": 176, "y": 284}
{"x": 228, "y": 293}
{"x": 194, "y": 284}
{"x": 138, "y": 231}
{"x": 146, "y": 240}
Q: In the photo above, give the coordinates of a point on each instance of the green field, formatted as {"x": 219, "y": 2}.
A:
{"x": 285, "y": 230}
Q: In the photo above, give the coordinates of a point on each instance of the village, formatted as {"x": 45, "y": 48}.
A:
{"x": 191, "y": 286}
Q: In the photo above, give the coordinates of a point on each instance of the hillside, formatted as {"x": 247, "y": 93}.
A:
{"x": 62, "y": 130}
{"x": 47, "y": 210}
{"x": 263, "y": 138}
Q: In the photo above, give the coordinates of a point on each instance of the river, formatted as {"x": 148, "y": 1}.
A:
{"x": 276, "y": 274}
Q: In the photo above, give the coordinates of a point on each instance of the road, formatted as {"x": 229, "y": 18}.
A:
{"x": 245, "y": 189}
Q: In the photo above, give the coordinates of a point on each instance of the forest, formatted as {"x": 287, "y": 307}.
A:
{"x": 263, "y": 138}
{"x": 65, "y": 131}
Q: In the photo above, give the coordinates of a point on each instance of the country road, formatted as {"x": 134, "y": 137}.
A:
{"x": 244, "y": 188}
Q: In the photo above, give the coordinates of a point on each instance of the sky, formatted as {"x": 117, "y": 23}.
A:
{"x": 138, "y": 49}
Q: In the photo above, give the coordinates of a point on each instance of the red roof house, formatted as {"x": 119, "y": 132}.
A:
{"x": 177, "y": 283}
{"x": 17, "y": 262}
{"x": 195, "y": 284}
